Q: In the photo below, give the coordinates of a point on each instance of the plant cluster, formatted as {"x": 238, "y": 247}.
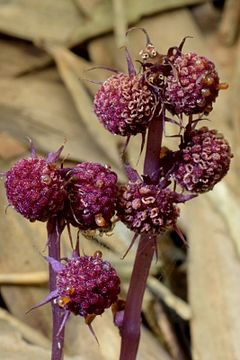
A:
{"x": 176, "y": 88}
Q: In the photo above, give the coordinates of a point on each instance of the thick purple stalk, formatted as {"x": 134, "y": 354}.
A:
{"x": 153, "y": 148}
{"x": 132, "y": 315}
{"x": 54, "y": 229}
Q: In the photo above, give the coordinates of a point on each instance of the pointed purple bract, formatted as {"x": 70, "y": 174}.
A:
{"x": 182, "y": 198}
{"x": 64, "y": 320}
{"x": 118, "y": 319}
{"x": 54, "y": 156}
{"x": 52, "y": 295}
{"x": 32, "y": 148}
{"x": 131, "y": 68}
{"x": 56, "y": 265}
{"x": 135, "y": 236}
{"x": 131, "y": 173}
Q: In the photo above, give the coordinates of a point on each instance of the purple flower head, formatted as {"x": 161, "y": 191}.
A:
{"x": 147, "y": 208}
{"x": 192, "y": 85}
{"x": 92, "y": 192}
{"x": 35, "y": 188}
{"x": 125, "y": 104}
{"x": 87, "y": 285}
{"x": 204, "y": 159}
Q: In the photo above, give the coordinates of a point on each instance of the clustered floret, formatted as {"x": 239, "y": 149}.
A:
{"x": 87, "y": 285}
{"x": 35, "y": 188}
{"x": 88, "y": 196}
{"x": 125, "y": 104}
{"x": 147, "y": 208}
{"x": 203, "y": 160}
{"x": 192, "y": 85}
{"x": 92, "y": 192}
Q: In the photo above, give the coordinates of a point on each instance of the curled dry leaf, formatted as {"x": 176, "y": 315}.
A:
{"x": 68, "y": 65}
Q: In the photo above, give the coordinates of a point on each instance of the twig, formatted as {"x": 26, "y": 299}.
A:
{"x": 228, "y": 207}
{"x": 235, "y": 111}
{"x": 25, "y": 279}
{"x": 120, "y": 22}
{"x": 166, "y": 329}
{"x": 86, "y": 8}
{"x": 229, "y": 26}
{"x": 102, "y": 20}
{"x": 171, "y": 300}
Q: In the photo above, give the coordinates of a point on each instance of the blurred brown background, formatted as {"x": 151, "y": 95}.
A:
{"x": 191, "y": 307}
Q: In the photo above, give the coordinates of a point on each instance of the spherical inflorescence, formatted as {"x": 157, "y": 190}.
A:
{"x": 204, "y": 159}
{"x": 124, "y": 104}
{"x": 87, "y": 285}
{"x": 35, "y": 188}
{"x": 92, "y": 193}
{"x": 147, "y": 208}
{"x": 192, "y": 85}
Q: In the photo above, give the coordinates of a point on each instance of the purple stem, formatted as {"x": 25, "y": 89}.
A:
{"x": 54, "y": 229}
{"x": 153, "y": 148}
{"x": 132, "y": 315}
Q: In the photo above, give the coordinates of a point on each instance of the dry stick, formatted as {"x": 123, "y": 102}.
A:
{"x": 175, "y": 303}
{"x": 24, "y": 279}
{"x": 54, "y": 230}
{"x": 120, "y": 22}
{"x": 146, "y": 248}
{"x": 229, "y": 26}
{"x": 167, "y": 332}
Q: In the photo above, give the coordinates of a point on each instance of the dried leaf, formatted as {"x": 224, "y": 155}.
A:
{"x": 33, "y": 336}
{"x": 67, "y": 63}
{"x": 19, "y": 243}
{"x": 39, "y": 107}
{"x": 102, "y": 19}
{"x": 62, "y": 22}
{"x": 171, "y": 300}
{"x": 18, "y": 57}
{"x": 40, "y": 20}
{"x": 120, "y": 22}
{"x": 214, "y": 272}
{"x": 10, "y": 147}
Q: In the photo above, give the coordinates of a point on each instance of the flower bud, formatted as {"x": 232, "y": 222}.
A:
{"x": 203, "y": 160}
{"x": 147, "y": 208}
{"x": 35, "y": 188}
{"x": 92, "y": 192}
{"x": 124, "y": 104}
{"x": 87, "y": 285}
{"x": 192, "y": 85}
